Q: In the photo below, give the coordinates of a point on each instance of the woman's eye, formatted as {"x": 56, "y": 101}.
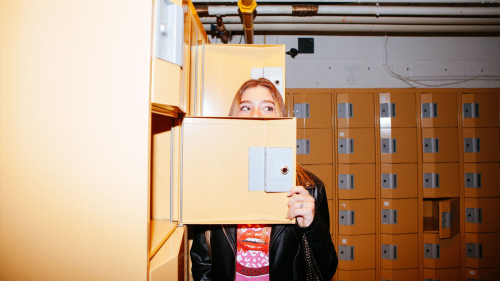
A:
{"x": 244, "y": 108}
{"x": 269, "y": 108}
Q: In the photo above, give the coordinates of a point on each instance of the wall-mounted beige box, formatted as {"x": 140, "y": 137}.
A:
{"x": 217, "y": 170}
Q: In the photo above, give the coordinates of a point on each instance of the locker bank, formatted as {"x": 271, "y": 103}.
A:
{"x": 115, "y": 139}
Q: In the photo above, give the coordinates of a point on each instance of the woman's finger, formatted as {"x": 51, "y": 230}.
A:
{"x": 308, "y": 207}
{"x": 298, "y": 197}
{"x": 297, "y": 190}
{"x": 306, "y": 212}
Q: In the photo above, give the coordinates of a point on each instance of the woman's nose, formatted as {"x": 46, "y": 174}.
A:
{"x": 256, "y": 113}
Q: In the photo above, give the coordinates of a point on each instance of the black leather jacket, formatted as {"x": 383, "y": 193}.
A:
{"x": 285, "y": 253}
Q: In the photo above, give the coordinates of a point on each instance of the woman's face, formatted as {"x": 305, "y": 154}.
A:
{"x": 257, "y": 102}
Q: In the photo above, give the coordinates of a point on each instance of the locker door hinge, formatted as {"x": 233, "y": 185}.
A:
{"x": 389, "y": 181}
{"x": 474, "y": 251}
{"x": 346, "y": 217}
{"x": 471, "y": 110}
{"x": 270, "y": 169}
{"x": 301, "y": 110}
{"x": 431, "y": 180}
{"x": 346, "y": 181}
{"x": 471, "y": 145}
{"x": 344, "y": 110}
{"x": 389, "y": 252}
{"x": 169, "y": 32}
{"x": 446, "y": 218}
{"x": 431, "y": 145}
{"x": 346, "y": 146}
{"x": 431, "y": 251}
{"x": 474, "y": 215}
{"x": 429, "y": 110}
{"x": 388, "y": 145}
{"x": 387, "y": 110}
{"x": 346, "y": 253}
{"x": 389, "y": 216}
{"x": 473, "y": 180}
{"x": 303, "y": 146}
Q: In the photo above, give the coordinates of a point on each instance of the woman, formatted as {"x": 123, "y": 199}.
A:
{"x": 303, "y": 251}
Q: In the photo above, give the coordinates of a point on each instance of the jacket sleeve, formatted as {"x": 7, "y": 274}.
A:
{"x": 318, "y": 236}
{"x": 200, "y": 257}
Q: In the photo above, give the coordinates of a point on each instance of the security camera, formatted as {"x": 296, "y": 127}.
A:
{"x": 293, "y": 52}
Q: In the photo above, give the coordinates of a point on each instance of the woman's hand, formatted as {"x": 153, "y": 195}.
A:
{"x": 301, "y": 206}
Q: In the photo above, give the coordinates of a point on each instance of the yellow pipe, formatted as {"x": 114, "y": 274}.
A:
{"x": 247, "y": 7}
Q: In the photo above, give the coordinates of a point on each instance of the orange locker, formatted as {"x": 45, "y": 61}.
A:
{"x": 356, "y": 217}
{"x": 356, "y": 275}
{"x": 440, "y": 145}
{"x": 445, "y": 274}
{"x": 356, "y": 146}
{"x": 442, "y": 217}
{"x": 398, "y": 180}
{"x": 314, "y": 146}
{"x": 399, "y": 216}
{"x": 441, "y": 253}
{"x": 399, "y": 274}
{"x": 480, "y": 110}
{"x": 482, "y": 250}
{"x": 325, "y": 174}
{"x": 356, "y": 252}
{"x": 481, "y": 214}
{"x": 481, "y": 145}
{"x": 312, "y": 108}
{"x": 398, "y": 145}
{"x": 483, "y": 274}
{"x": 397, "y": 110}
{"x": 441, "y": 180}
{"x": 438, "y": 110}
{"x": 355, "y": 109}
{"x": 399, "y": 251}
{"x": 356, "y": 181}
{"x": 481, "y": 179}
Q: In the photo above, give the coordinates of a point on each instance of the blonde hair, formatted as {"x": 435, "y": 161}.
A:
{"x": 261, "y": 82}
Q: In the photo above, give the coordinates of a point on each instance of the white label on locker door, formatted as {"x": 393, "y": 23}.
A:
{"x": 341, "y": 134}
{"x": 472, "y": 272}
{"x": 386, "y": 203}
{"x": 344, "y": 241}
{"x": 382, "y": 98}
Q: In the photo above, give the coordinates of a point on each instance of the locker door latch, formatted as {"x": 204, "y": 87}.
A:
{"x": 474, "y": 251}
{"x": 473, "y": 180}
{"x": 346, "y": 217}
{"x": 389, "y": 216}
{"x": 471, "y": 110}
{"x": 431, "y": 251}
{"x": 389, "y": 252}
{"x": 169, "y": 32}
{"x": 431, "y": 145}
{"x": 446, "y": 219}
{"x": 387, "y": 110}
{"x": 346, "y": 253}
{"x": 388, "y": 145}
{"x": 301, "y": 110}
{"x": 346, "y": 181}
{"x": 344, "y": 110}
{"x": 429, "y": 110}
{"x": 431, "y": 180}
{"x": 270, "y": 169}
{"x": 389, "y": 181}
{"x": 346, "y": 146}
{"x": 471, "y": 145}
{"x": 303, "y": 146}
{"x": 474, "y": 215}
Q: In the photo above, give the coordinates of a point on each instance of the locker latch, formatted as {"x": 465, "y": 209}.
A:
{"x": 346, "y": 146}
{"x": 471, "y": 110}
{"x": 431, "y": 180}
{"x": 270, "y": 169}
{"x": 389, "y": 252}
{"x": 344, "y": 110}
{"x": 474, "y": 251}
{"x": 303, "y": 146}
{"x": 471, "y": 145}
{"x": 474, "y": 215}
{"x": 389, "y": 216}
{"x": 431, "y": 145}
{"x": 301, "y": 110}
{"x": 446, "y": 219}
{"x": 388, "y": 145}
{"x": 346, "y": 217}
{"x": 389, "y": 181}
{"x": 473, "y": 180}
{"x": 169, "y": 32}
{"x": 346, "y": 253}
{"x": 429, "y": 110}
{"x": 431, "y": 251}
{"x": 346, "y": 181}
{"x": 387, "y": 110}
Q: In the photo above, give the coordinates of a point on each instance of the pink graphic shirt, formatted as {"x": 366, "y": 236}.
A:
{"x": 252, "y": 255}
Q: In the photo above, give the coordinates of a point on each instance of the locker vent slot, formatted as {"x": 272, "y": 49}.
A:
{"x": 346, "y": 181}
{"x": 389, "y": 252}
{"x": 471, "y": 110}
{"x": 346, "y": 146}
{"x": 431, "y": 180}
{"x": 474, "y": 215}
{"x": 303, "y": 146}
{"x": 346, "y": 253}
{"x": 389, "y": 181}
{"x": 472, "y": 145}
{"x": 474, "y": 251}
{"x": 301, "y": 110}
{"x": 344, "y": 110}
{"x": 473, "y": 180}
{"x": 431, "y": 251}
{"x": 346, "y": 217}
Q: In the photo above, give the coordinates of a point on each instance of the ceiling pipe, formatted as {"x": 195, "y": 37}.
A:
{"x": 247, "y": 7}
{"x": 364, "y": 28}
{"x": 362, "y": 1}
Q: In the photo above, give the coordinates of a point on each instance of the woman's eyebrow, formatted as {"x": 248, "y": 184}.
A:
{"x": 264, "y": 101}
